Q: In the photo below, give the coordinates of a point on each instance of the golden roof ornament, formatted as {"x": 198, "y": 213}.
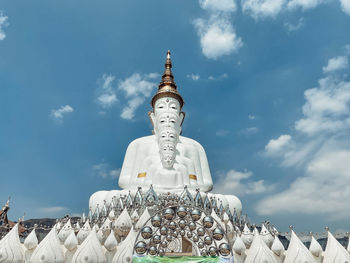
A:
{"x": 167, "y": 87}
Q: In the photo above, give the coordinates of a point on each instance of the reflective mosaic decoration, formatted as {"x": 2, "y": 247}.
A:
{"x": 170, "y": 229}
{"x": 155, "y": 201}
{"x": 148, "y": 259}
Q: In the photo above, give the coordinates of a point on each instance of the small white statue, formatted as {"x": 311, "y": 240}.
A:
{"x": 166, "y": 160}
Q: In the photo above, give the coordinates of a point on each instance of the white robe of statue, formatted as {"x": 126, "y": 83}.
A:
{"x": 143, "y": 163}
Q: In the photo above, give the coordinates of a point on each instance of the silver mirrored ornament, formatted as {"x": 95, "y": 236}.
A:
{"x": 212, "y": 251}
{"x": 181, "y": 212}
{"x": 169, "y": 213}
{"x": 208, "y": 222}
{"x": 140, "y": 248}
{"x": 200, "y": 231}
{"x": 157, "y": 239}
{"x": 152, "y": 251}
{"x": 208, "y": 240}
{"x": 163, "y": 230}
{"x": 146, "y": 232}
{"x": 195, "y": 214}
{"x": 218, "y": 233}
{"x": 224, "y": 249}
{"x": 156, "y": 221}
{"x": 192, "y": 226}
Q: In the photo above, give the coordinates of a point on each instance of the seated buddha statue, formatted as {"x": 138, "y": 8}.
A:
{"x": 165, "y": 159}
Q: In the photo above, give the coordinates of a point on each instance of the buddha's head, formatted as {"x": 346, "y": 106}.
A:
{"x": 167, "y": 116}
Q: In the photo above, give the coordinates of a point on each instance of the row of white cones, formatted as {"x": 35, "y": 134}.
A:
{"x": 108, "y": 244}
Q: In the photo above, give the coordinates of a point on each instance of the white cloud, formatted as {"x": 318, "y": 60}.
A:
{"x": 262, "y": 8}
{"x": 115, "y": 173}
{"x": 240, "y": 183}
{"x": 251, "y": 117}
{"x": 221, "y": 5}
{"x": 326, "y": 108}
{"x": 53, "y": 210}
{"x": 3, "y": 23}
{"x": 222, "y": 133}
{"x": 275, "y": 146}
{"x": 58, "y": 114}
{"x": 222, "y": 76}
{"x": 304, "y": 4}
{"x": 129, "y": 111}
{"x": 294, "y": 27}
{"x": 321, "y": 151}
{"x": 193, "y": 76}
{"x": 345, "y": 5}
{"x": 216, "y": 33}
{"x": 335, "y": 64}
{"x": 324, "y": 189}
{"x": 102, "y": 170}
{"x": 249, "y": 131}
{"x": 106, "y": 93}
{"x": 217, "y": 36}
{"x": 136, "y": 89}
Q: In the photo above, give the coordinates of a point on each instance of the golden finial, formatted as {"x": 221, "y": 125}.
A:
{"x": 167, "y": 78}
{"x": 167, "y": 87}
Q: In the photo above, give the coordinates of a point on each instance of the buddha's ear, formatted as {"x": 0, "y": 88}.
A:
{"x": 152, "y": 119}
{"x": 182, "y": 117}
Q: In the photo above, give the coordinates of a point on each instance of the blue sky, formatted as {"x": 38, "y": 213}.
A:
{"x": 265, "y": 84}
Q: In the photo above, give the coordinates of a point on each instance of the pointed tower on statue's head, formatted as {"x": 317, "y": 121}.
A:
{"x": 167, "y": 87}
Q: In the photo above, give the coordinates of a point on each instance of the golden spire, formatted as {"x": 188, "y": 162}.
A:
{"x": 167, "y": 87}
{"x": 167, "y": 78}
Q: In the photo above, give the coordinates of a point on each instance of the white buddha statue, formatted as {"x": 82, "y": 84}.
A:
{"x": 166, "y": 160}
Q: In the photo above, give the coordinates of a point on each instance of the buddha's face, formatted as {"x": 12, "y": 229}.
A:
{"x": 167, "y": 114}
{"x": 167, "y": 119}
{"x": 168, "y": 135}
{"x": 167, "y": 154}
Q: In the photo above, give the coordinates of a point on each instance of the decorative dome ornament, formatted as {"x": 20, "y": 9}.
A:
{"x": 71, "y": 242}
{"x": 212, "y": 251}
{"x": 140, "y": 248}
{"x": 31, "y": 241}
{"x": 84, "y": 232}
{"x": 11, "y": 248}
{"x": 208, "y": 240}
{"x": 49, "y": 249}
{"x": 65, "y": 231}
{"x": 208, "y": 222}
{"x": 123, "y": 224}
{"x": 156, "y": 239}
{"x": 156, "y": 221}
{"x": 181, "y": 212}
{"x": 335, "y": 252}
{"x": 192, "y": 226}
{"x": 152, "y": 251}
{"x": 169, "y": 213}
{"x": 195, "y": 214}
{"x": 297, "y": 252}
{"x": 172, "y": 225}
{"x": 146, "y": 232}
{"x": 164, "y": 232}
{"x": 111, "y": 242}
{"x": 218, "y": 233}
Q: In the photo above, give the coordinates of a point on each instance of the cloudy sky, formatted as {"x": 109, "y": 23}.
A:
{"x": 266, "y": 90}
